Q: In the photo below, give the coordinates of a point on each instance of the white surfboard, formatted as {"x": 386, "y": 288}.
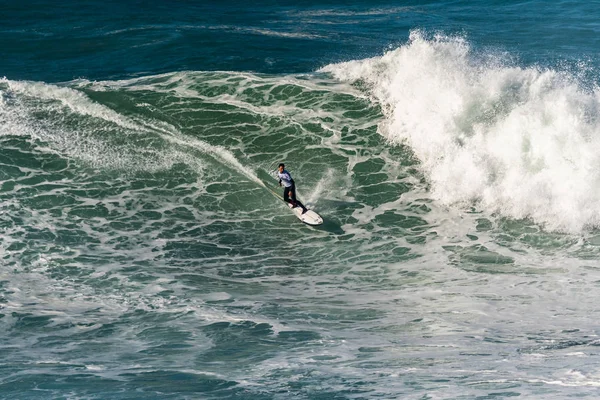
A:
{"x": 309, "y": 217}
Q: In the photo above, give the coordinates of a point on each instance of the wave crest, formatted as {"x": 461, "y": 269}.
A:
{"x": 520, "y": 141}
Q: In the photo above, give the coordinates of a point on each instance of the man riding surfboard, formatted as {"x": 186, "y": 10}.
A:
{"x": 289, "y": 187}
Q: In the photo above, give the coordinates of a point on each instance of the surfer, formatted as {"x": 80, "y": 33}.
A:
{"x": 289, "y": 187}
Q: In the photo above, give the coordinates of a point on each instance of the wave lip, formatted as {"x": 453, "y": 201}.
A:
{"x": 519, "y": 141}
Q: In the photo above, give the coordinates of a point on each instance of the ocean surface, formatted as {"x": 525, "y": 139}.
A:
{"x": 452, "y": 148}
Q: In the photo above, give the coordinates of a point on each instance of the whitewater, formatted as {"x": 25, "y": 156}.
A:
{"x": 143, "y": 256}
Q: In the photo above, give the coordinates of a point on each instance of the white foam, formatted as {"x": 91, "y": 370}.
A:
{"x": 358, "y": 12}
{"x": 322, "y": 185}
{"x": 77, "y": 101}
{"x": 574, "y": 378}
{"x": 520, "y": 141}
{"x": 99, "y": 151}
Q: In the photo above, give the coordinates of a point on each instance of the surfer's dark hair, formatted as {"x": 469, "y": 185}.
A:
{"x": 282, "y": 165}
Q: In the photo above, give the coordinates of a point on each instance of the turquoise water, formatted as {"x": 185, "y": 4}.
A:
{"x": 451, "y": 148}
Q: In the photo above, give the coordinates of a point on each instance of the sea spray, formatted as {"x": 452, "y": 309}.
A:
{"x": 519, "y": 141}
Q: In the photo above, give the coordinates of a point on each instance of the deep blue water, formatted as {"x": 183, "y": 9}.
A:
{"x": 55, "y": 42}
{"x": 452, "y": 149}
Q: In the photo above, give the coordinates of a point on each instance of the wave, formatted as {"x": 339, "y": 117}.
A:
{"x": 518, "y": 141}
{"x": 77, "y": 126}
{"x": 196, "y": 118}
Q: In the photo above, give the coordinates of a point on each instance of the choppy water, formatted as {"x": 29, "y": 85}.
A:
{"x": 452, "y": 149}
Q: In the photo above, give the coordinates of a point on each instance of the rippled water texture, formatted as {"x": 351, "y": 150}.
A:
{"x": 144, "y": 256}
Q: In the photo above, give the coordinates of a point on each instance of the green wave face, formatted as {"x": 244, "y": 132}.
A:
{"x": 140, "y": 232}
